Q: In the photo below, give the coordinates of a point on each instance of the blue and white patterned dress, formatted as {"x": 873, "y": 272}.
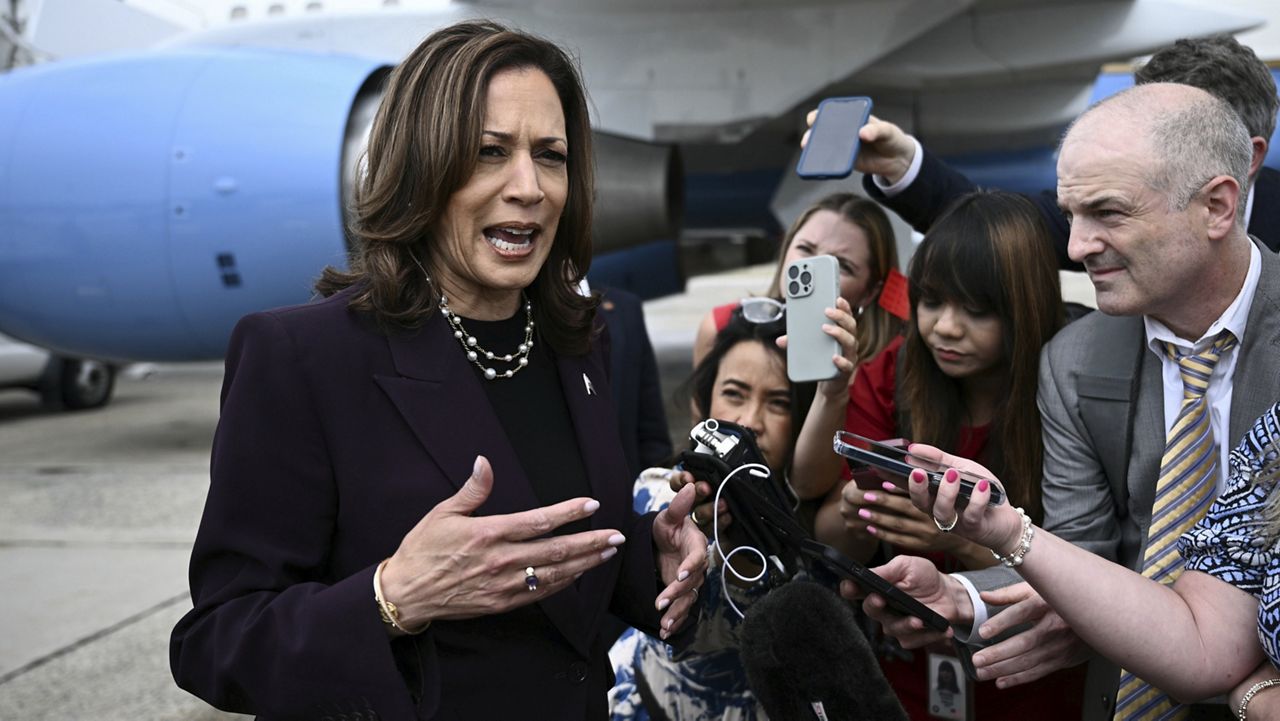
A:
{"x": 706, "y": 682}
{"x": 1229, "y": 544}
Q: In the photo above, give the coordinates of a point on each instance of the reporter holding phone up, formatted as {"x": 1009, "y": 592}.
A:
{"x": 1206, "y": 634}
{"x": 857, "y": 233}
{"x": 984, "y": 299}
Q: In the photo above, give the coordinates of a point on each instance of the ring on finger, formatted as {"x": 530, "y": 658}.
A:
{"x": 530, "y": 578}
{"x": 946, "y": 527}
{"x": 694, "y": 515}
{"x": 695, "y": 595}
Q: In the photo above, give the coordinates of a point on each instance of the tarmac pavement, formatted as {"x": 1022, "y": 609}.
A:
{"x": 98, "y": 510}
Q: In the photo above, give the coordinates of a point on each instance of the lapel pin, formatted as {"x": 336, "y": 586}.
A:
{"x": 587, "y": 382}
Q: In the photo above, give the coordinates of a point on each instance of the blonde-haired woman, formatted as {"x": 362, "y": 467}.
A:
{"x": 857, "y": 232}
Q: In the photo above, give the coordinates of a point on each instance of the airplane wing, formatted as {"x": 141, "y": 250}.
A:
{"x": 667, "y": 72}
{"x": 714, "y": 71}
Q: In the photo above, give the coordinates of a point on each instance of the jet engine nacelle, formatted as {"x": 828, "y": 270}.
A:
{"x": 148, "y": 201}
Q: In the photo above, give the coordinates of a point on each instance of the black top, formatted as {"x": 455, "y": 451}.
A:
{"x": 531, "y": 407}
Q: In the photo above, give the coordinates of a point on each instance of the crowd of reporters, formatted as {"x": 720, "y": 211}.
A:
{"x": 404, "y": 524}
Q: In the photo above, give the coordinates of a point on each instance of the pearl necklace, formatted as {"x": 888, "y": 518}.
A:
{"x": 474, "y": 351}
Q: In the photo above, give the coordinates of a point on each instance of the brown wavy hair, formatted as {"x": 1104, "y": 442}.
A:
{"x": 424, "y": 145}
{"x": 989, "y": 251}
{"x": 876, "y": 326}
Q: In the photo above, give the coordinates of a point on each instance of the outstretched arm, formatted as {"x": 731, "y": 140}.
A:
{"x": 1206, "y": 642}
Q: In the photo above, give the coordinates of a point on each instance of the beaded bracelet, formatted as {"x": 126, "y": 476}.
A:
{"x": 1253, "y": 691}
{"x": 386, "y": 609}
{"x": 1014, "y": 559}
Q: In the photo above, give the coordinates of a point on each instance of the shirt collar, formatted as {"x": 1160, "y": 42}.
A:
{"x": 1248, "y": 203}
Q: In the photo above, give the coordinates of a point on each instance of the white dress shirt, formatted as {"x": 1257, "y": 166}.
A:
{"x": 1220, "y": 383}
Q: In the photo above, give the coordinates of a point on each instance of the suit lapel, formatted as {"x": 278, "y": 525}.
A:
{"x": 449, "y": 412}
{"x": 586, "y": 389}
{"x": 447, "y": 409}
{"x": 1148, "y": 442}
{"x": 1256, "y": 382}
{"x": 1108, "y": 390}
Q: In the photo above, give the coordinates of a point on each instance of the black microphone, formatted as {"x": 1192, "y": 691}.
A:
{"x": 806, "y": 659}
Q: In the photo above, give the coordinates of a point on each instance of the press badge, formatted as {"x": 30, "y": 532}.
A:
{"x": 950, "y": 691}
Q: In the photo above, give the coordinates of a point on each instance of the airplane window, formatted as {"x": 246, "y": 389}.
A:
{"x": 275, "y": 9}
{"x": 315, "y": 7}
{"x": 239, "y": 12}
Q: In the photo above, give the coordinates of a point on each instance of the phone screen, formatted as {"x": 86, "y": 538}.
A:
{"x": 833, "y": 140}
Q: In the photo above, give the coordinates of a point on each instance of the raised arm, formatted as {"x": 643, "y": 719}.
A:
{"x": 816, "y": 468}
{"x": 906, "y": 178}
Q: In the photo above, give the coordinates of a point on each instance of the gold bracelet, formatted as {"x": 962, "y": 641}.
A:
{"x": 386, "y": 609}
{"x": 1253, "y": 691}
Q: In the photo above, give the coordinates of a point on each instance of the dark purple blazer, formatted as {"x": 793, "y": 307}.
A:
{"x": 334, "y": 441}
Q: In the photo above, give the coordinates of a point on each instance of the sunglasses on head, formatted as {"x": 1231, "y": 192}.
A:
{"x": 762, "y": 310}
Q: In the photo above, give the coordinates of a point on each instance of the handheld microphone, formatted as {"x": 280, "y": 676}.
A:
{"x": 806, "y": 659}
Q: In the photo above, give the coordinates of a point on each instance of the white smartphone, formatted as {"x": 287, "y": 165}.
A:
{"x": 811, "y": 285}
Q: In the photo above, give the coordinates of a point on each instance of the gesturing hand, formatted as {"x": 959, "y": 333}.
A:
{"x": 681, "y": 558}
{"x": 451, "y": 565}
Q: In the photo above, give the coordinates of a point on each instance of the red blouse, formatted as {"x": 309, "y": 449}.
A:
{"x": 1058, "y": 697}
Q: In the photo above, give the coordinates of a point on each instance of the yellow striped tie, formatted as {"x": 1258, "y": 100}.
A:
{"x": 1188, "y": 484}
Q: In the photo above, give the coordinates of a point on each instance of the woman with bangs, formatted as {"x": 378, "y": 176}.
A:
{"x": 985, "y": 298}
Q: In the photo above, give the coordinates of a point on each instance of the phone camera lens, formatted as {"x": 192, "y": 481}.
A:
{"x": 794, "y": 288}
{"x": 792, "y": 272}
{"x": 806, "y": 278}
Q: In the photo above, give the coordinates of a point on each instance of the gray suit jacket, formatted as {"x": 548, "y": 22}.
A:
{"x": 1101, "y": 400}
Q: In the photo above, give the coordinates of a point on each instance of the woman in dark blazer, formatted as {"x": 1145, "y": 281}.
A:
{"x": 419, "y": 507}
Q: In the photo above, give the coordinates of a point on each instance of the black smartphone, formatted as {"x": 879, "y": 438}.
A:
{"x": 899, "y": 463}
{"x": 848, "y": 568}
{"x": 833, "y": 139}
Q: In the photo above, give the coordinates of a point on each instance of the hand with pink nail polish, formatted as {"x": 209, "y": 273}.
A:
{"x": 891, "y": 517}
{"x": 990, "y": 527}
{"x": 680, "y": 551}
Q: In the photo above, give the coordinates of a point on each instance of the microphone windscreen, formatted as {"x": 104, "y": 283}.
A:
{"x": 806, "y": 658}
